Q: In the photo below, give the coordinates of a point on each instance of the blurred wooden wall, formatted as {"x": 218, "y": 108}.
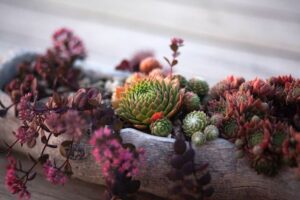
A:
{"x": 222, "y": 37}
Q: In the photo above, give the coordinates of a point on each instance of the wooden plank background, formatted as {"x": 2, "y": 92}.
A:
{"x": 222, "y": 37}
{"x": 240, "y": 37}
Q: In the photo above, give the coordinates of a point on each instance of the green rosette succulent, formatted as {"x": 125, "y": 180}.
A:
{"x": 198, "y": 138}
{"x": 211, "y": 132}
{"x": 198, "y": 86}
{"x": 191, "y": 101}
{"x": 194, "y": 121}
{"x": 144, "y": 97}
{"x": 268, "y": 164}
{"x": 161, "y": 127}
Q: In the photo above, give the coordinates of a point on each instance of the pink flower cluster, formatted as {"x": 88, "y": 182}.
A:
{"x": 68, "y": 45}
{"x": 25, "y": 108}
{"x": 54, "y": 174}
{"x": 25, "y": 134}
{"x": 69, "y": 122}
{"x": 177, "y": 41}
{"x": 13, "y": 183}
{"x": 113, "y": 157}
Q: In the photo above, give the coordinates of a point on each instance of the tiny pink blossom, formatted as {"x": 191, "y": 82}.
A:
{"x": 25, "y": 108}
{"x": 68, "y": 45}
{"x": 177, "y": 41}
{"x": 25, "y": 134}
{"x": 112, "y": 156}
{"x": 70, "y": 123}
{"x": 53, "y": 174}
{"x": 13, "y": 183}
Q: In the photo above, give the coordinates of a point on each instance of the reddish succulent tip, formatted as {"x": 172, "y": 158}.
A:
{"x": 156, "y": 116}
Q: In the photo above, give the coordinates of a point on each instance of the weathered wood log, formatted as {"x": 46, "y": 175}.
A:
{"x": 231, "y": 178}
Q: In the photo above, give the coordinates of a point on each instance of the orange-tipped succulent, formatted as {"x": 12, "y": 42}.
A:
{"x": 139, "y": 100}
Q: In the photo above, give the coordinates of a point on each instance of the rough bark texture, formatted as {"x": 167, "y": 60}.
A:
{"x": 231, "y": 178}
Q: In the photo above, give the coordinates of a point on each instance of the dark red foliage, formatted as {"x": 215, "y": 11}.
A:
{"x": 261, "y": 117}
{"x": 49, "y": 104}
{"x": 190, "y": 181}
{"x": 133, "y": 64}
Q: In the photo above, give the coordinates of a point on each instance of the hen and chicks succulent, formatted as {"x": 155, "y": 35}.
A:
{"x": 261, "y": 117}
{"x": 140, "y": 99}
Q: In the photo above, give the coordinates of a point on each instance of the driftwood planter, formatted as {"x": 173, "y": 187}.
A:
{"x": 231, "y": 178}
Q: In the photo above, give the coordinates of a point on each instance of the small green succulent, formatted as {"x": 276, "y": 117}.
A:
{"x": 198, "y": 86}
{"x": 191, "y": 101}
{"x": 194, "y": 121}
{"x": 161, "y": 127}
{"x": 198, "y": 138}
{"x": 211, "y": 132}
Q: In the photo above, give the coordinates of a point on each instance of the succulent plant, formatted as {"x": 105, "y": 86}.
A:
{"x": 156, "y": 73}
{"x": 261, "y": 117}
{"x": 148, "y": 64}
{"x": 183, "y": 169}
{"x": 162, "y": 127}
{"x": 230, "y": 128}
{"x": 259, "y": 88}
{"x": 243, "y": 106}
{"x": 257, "y": 134}
{"x": 198, "y": 138}
{"x": 217, "y": 120}
{"x": 191, "y": 101}
{"x": 194, "y": 121}
{"x": 293, "y": 92}
{"x": 211, "y": 132}
{"x": 134, "y": 77}
{"x": 279, "y": 83}
{"x": 138, "y": 101}
{"x": 230, "y": 84}
{"x": 268, "y": 165}
{"x": 280, "y": 132}
{"x": 182, "y": 80}
{"x": 216, "y": 106}
{"x": 198, "y": 86}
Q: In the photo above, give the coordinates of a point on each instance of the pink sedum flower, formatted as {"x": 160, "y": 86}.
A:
{"x": 68, "y": 45}
{"x": 54, "y": 174}
{"x": 113, "y": 157}
{"x": 70, "y": 123}
{"x": 177, "y": 41}
{"x": 25, "y": 134}
{"x": 25, "y": 108}
{"x": 13, "y": 183}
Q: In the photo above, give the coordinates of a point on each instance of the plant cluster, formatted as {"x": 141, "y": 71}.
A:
{"x": 53, "y": 70}
{"x": 53, "y": 98}
{"x": 261, "y": 117}
{"x": 190, "y": 181}
{"x": 50, "y": 103}
{"x": 153, "y": 99}
{"x": 119, "y": 164}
